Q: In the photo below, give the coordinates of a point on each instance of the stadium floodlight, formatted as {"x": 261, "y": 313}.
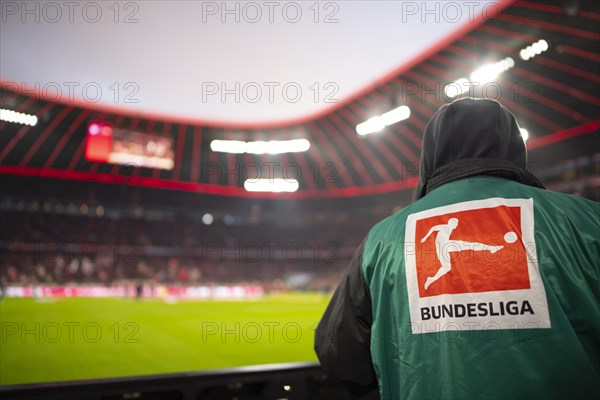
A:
{"x": 377, "y": 123}
{"x": 17, "y": 117}
{"x": 525, "y": 54}
{"x": 489, "y": 72}
{"x": 481, "y": 76}
{"x": 507, "y": 64}
{"x": 228, "y": 146}
{"x": 524, "y": 134}
{"x": 260, "y": 147}
{"x": 485, "y": 74}
{"x": 207, "y": 219}
{"x": 396, "y": 115}
{"x": 278, "y": 146}
{"x": 457, "y": 88}
{"x": 271, "y": 185}
{"x": 371, "y": 125}
{"x": 533, "y": 50}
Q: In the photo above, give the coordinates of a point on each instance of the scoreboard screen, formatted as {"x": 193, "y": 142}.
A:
{"x": 107, "y": 144}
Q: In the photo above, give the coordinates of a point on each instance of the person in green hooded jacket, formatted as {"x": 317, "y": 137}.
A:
{"x": 487, "y": 286}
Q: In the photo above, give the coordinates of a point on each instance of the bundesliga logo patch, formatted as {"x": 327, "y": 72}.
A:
{"x": 473, "y": 266}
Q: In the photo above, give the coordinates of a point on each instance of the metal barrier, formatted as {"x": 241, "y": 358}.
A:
{"x": 273, "y": 381}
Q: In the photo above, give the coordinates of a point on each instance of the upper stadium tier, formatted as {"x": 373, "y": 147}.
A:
{"x": 539, "y": 62}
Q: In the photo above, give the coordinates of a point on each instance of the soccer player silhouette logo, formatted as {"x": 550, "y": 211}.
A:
{"x": 445, "y": 246}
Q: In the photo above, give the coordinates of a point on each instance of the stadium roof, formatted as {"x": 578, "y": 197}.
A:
{"x": 554, "y": 95}
{"x": 184, "y": 60}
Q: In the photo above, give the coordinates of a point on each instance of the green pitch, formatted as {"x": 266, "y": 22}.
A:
{"x": 71, "y": 339}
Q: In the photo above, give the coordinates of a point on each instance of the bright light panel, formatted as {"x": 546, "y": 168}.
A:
{"x": 260, "y": 147}
{"x": 207, "y": 219}
{"x": 228, "y": 146}
{"x": 376, "y": 124}
{"x": 457, "y": 88}
{"x": 271, "y": 185}
{"x": 396, "y": 115}
{"x": 535, "y": 49}
{"x": 371, "y": 125}
{"x": 17, "y": 117}
{"x": 489, "y": 72}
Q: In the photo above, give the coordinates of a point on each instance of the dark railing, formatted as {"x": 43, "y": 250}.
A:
{"x": 275, "y": 381}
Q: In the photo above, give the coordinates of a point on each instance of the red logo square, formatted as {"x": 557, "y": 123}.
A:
{"x": 471, "y": 251}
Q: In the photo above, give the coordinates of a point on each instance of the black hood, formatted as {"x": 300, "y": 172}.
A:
{"x": 472, "y": 137}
